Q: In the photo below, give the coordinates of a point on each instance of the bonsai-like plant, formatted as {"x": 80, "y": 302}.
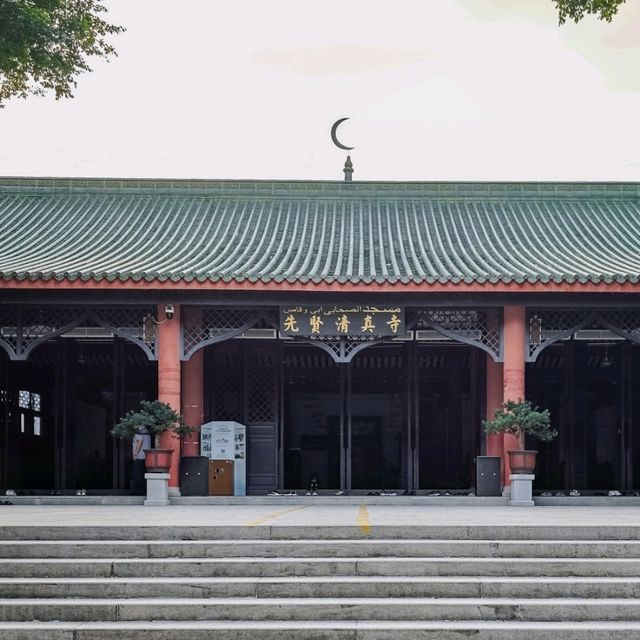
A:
{"x": 153, "y": 418}
{"x": 521, "y": 418}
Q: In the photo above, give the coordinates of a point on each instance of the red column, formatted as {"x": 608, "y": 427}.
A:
{"x": 513, "y": 376}
{"x": 494, "y": 400}
{"x": 169, "y": 382}
{"x": 193, "y": 392}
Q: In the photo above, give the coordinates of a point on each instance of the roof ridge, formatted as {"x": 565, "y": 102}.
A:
{"x": 318, "y": 188}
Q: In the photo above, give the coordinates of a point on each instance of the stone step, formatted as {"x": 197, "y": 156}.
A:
{"x": 319, "y": 548}
{"x": 321, "y": 587}
{"x": 321, "y": 630}
{"x": 353, "y": 566}
{"x": 275, "y": 532}
{"x": 335, "y": 609}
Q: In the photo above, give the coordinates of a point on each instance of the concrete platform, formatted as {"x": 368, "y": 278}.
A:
{"x": 326, "y": 500}
{"x": 290, "y": 513}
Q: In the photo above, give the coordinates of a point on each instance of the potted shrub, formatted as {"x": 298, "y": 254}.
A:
{"x": 519, "y": 419}
{"x": 153, "y": 418}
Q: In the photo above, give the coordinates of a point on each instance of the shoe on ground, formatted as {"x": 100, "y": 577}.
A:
{"x": 546, "y": 494}
{"x": 274, "y": 493}
{"x": 574, "y": 493}
{"x": 9, "y": 492}
{"x": 308, "y": 493}
{"x": 314, "y": 493}
{"x": 614, "y": 493}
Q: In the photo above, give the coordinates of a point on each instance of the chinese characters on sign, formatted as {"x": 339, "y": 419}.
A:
{"x": 359, "y": 320}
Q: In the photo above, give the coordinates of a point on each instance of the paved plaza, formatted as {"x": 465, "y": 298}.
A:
{"x": 283, "y": 514}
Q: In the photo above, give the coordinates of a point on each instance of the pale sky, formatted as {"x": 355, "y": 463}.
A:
{"x": 435, "y": 89}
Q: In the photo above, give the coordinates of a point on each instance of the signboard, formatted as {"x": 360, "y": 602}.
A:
{"x": 222, "y": 440}
{"x": 337, "y": 321}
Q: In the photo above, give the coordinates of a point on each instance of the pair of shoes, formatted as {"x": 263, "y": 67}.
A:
{"x": 574, "y": 493}
{"x": 311, "y": 493}
{"x": 546, "y": 494}
{"x": 446, "y": 493}
{"x": 433, "y": 493}
{"x": 560, "y": 494}
{"x": 291, "y": 493}
{"x": 342, "y": 493}
{"x": 81, "y": 492}
{"x": 373, "y": 493}
{"x": 274, "y": 493}
{"x": 614, "y": 493}
{"x": 6, "y": 502}
{"x": 9, "y": 492}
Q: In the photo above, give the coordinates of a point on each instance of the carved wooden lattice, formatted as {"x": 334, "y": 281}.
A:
{"x": 260, "y": 375}
{"x": 38, "y": 324}
{"x": 547, "y": 326}
{"x": 129, "y": 323}
{"x": 227, "y": 387}
{"x": 9, "y": 330}
{"x": 209, "y": 325}
{"x": 479, "y": 327}
{"x": 345, "y": 348}
{"x": 23, "y": 328}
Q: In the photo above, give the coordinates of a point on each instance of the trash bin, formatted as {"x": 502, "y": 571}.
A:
{"x": 488, "y": 476}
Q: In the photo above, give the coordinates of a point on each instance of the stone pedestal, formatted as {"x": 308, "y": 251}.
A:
{"x": 521, "y": 490}
{"x": 157, "y": 490}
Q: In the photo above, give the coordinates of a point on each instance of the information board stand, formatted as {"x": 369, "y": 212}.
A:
{"x": 226, "y": 440}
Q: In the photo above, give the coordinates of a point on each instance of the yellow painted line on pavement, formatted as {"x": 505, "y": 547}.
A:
{"x": 271, "y": 516}
{"x": 363, "y": 519}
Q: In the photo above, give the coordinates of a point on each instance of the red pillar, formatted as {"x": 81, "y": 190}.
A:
{"x": 193, "y": 392}
{"x": 494, "y": 400}
{"x": 513, "y": 375}
{"x": 169, "y": 382}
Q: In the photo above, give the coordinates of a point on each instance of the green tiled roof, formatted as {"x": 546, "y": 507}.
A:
{"x": 82, "y": 229}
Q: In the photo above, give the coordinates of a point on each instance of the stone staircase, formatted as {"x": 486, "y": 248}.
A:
{"x": 241, "y": 583}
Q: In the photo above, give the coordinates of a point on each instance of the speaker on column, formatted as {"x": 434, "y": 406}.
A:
{"x": 194, "y": 476}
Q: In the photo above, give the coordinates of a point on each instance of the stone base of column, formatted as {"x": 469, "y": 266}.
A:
{"x": 174, "y": 492}
{"x": 521, "y": 490}
{"x": 157, "y": 490}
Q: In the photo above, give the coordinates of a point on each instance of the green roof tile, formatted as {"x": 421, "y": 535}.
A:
{"x": 83, "y": 229}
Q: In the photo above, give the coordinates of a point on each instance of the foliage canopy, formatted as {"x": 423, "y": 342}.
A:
{"x": 520, "y": 418}
{"x": 153, "y": 418}
{"x": 45, "y": 44}
{"x": 577, "y": 9}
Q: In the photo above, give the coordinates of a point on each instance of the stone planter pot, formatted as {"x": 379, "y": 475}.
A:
{"x": 522, "y": 461}
{"x": 158, "y": 460}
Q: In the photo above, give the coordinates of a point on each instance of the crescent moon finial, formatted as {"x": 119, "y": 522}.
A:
{"x": 334, "y": 137}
